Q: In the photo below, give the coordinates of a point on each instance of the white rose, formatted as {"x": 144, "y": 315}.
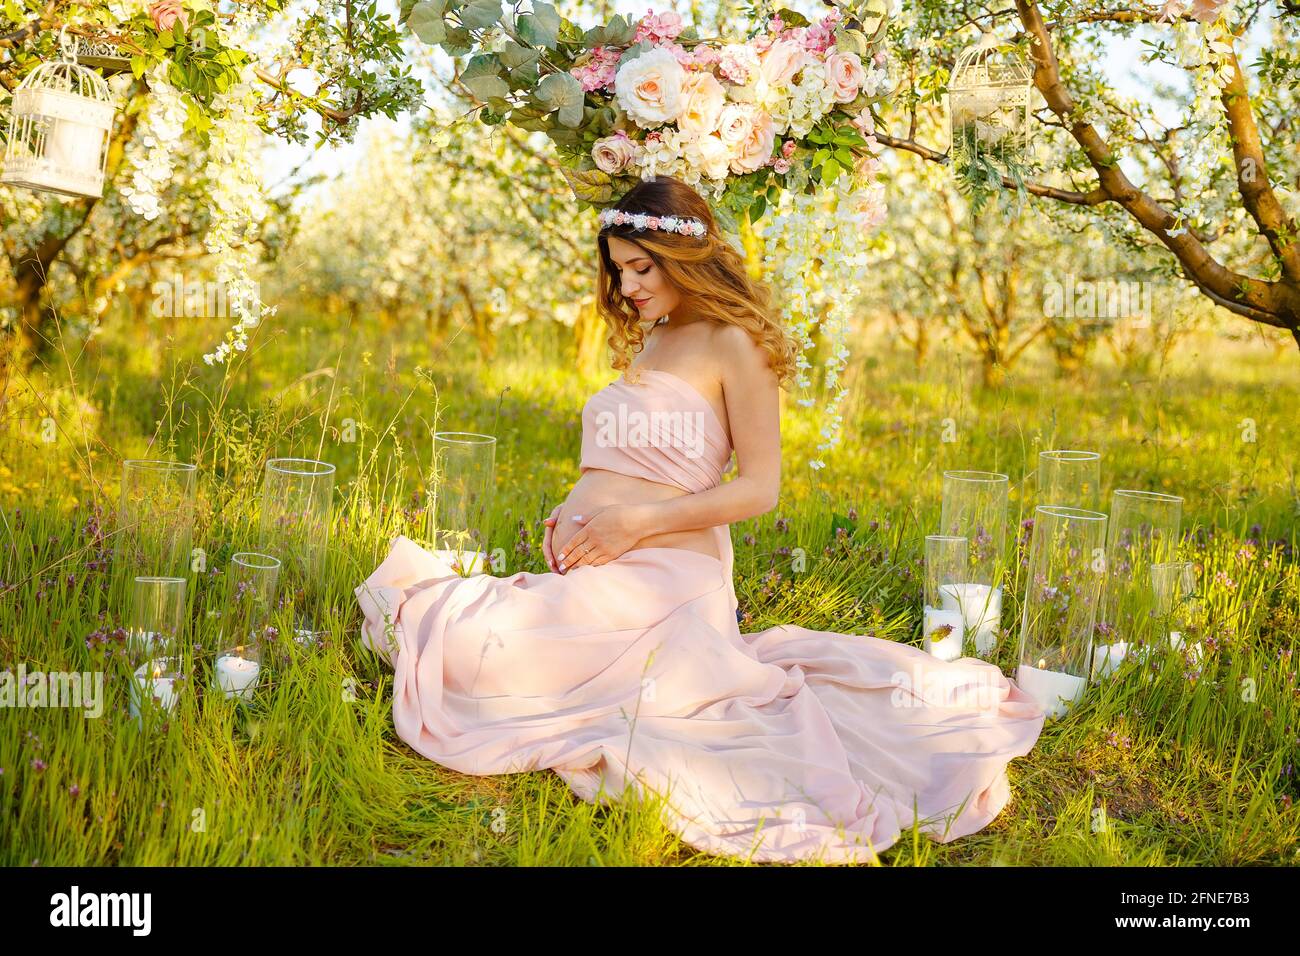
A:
{"x": 702, "y": 99}
{"x": 710, "y": 155}
{"x": 734, "y": 124}
{"x": 649, "y": 88}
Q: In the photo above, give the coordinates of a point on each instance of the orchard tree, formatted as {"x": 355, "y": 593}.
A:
{"x": 1214, "y": 189}
{"x": 201, "y": 79}
{"x": 451, "y": 222}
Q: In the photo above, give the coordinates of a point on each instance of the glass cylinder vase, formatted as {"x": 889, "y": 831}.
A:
{"x": 251, "y": 585}
{"x": 1143, "y": 531}
{"x": 460, "y": 505}
{"x": 1070, "y": 478}
{"x": 296, "y": 502}
{"x": 157, "y": 615}
{"x": 1067, "y": 567}
{"x": 1179, "y": 615}
{"x": 155, "y": 522}
{"x": 975, "y": 508}
{"x": 946, "y": 566}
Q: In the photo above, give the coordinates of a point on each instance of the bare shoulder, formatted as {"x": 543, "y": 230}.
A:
{"x": 741, "y": 360}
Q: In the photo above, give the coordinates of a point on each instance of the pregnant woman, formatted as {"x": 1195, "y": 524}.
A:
{"x": 624, "y": 669}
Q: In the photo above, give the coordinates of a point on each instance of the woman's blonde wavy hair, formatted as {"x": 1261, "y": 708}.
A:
{"x": 707, "y": 272}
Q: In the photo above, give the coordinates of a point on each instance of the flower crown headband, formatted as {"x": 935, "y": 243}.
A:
{"x": 683, "y": 225}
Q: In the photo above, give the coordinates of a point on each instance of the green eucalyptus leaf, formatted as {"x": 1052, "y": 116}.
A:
{"x": 568, "y": 138}
{"x": 619, "y": 30}
{"x": 726, "y": 221}
{"x": 426, "y": 22}
{"x": 526, "y": 119}
{"x": 458, "y": 41}
{"x": 486, "y": 87}
{"x": 480, "y": 14}
{"x": 589, "y": 185}
{"x": 541, "y": 27}
{"x": 514, "y": 55}
{"x": 548, "y": 19}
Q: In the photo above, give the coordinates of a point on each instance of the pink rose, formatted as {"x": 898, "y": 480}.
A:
{"x": 652, "y": 222}
{"x": 780, "y": 62}
{"x": 788, "y": 148}
{"x": 613, "y": 154}
{"x": 1203, "y": 10}
{"x": 844, "y": 76}
{"x": 755, "y": 149}
{"x": 782, "y": 166}
{"x": 165, "y": 13}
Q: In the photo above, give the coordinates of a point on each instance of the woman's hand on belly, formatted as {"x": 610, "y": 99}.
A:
{"x": 602, "y": 536}
{"x": 597, "y": 489}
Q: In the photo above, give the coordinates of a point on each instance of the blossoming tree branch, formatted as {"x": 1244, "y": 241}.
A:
{"x": 1214, "y": 186}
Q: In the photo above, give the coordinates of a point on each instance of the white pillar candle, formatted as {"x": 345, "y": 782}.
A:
{"x": 1055, "y": 691}
{"x": 1106, "y": 658}
{"x": 150, "y": 684}
{"x": 945, "y": 648}
{"x": 237, "y": 675}
{"x": 73, "y": 147}
{"x": 981, "y": 607}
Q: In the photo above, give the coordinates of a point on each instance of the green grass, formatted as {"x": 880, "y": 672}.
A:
{"x": 1191, "y": 767}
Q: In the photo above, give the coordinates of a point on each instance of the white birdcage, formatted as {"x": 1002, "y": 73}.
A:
{"x": 59, "y": 126}
{"x": 988, "y": 98}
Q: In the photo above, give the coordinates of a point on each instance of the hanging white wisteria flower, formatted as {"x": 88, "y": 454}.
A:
{"x": 238, "y": 207}
{"x": 822, "y": 238}
{"x": 150, "y": 156}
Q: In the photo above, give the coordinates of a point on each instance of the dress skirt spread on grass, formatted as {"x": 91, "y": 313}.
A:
{"x": 779, "y": 745}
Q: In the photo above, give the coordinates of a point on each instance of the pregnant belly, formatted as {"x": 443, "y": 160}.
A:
{"x": 597, "y": 489}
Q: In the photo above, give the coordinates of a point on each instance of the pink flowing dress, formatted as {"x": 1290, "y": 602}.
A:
{"x": 784, "y": 744}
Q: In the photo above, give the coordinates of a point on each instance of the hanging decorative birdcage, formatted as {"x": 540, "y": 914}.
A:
{"x": 988, "y": 96}
{"x": 103, "y": 54}
{"x": 988, "y": 119}
{"x": 59, "y": 126}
